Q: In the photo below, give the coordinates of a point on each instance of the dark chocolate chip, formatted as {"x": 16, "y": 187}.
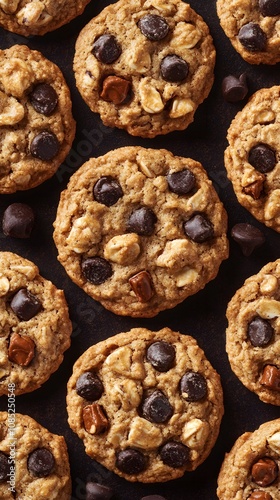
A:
{"x": 45, "y": 146}
{"x": 260, "y": 332}
{"x": 153, "y": 497}
{"x": 106, "y": 49}
{"x": 262, "y": 157}
{"x": 234, "y": 89}
{"x": 181, "y": 182}
{"x": 41, "y": 462}
{"x": 142, "y": 285}
{"x": 174, "y": 69}
{"x": 25, "y": 305}
{"x": 252, "y": 37}
{"x": 107, "y": 191}
{"x": 193, "y": 386}
{"x": 175, "y": 454}
{"x": 130, "y": 461}
{"x": 156, "y": 408}
{"x": 248, "y": 237}
{"x": 96, "y": 270}
{"x": 89, "y": 386}
{"x": 154, "y": 27}
{"x": 161, "y": 355}
{"x": 269, "y": 7}
{"x": 18, "y": 220}
{"x": 4, "y": 467}
{"x": 142, "y": 221}
{"x": 96, "y": 491}
{"x": 44, "y": 99}
{"x": 199, "y": 228}
{"x": 264, "y": 471}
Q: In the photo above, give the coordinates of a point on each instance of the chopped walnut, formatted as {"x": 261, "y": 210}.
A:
{"x": 186, "y": 276}
{"x": 120, "y": 361}
{"x": 185, "y": 36}
{"x": 139, "y": 59}
{"x": 150, "y": 97}
{"x": 174, "y": 254}
{"x": 4, "y": 285}
{"x": 11, "y": 111}
{"x": 195, "y": 433}
{"x": 144, "y": 434}
{"x": 272, "y": 206}
{"x": 265, "y": 116}
{"x": 9, "y": 6}
{"x": 16, "y": 77}
{"x": 33, "y": 13}
{"x": 123, "y": 249}
{"x": 268, "y": 308}
{"x": 269, "y": 284}
{"x": 181, "y": 107}
{"x": 164, "y": 8}
{"x": 85, "y": 232}
{"x": 274, "y": 442}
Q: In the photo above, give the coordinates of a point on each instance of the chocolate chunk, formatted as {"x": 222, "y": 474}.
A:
{"x": 96, "y": 270}
{"x": 234, "y": 89}
{"x": 96, "y": 491}
{"x": 181, "y": 182}
{"x": 271, "y": 378}
{"x": 269, "y": 7}
{"x": 142, "y": 221}
{"x": 25, "y": 305}
{"x": 18, "y": 220}
{"x": 156, "y": 408}
{"x": 248, "y": 237}
{"x": 199, "y": 228}
{"x": 154, "y": 27}
{"x": 4, "y": 467}
{"x": 161, "y": 355}
{"x": 142, "y": 285}
{"x": 262, "y": 157}
{"x": 95, "y": 420}
{"x": 131, "y": 461}
{"x": 89, "y": 386}
{"x": 107, "y": 190}
{"x": 45, "y": 146}
{"x": 44, "y": 99}
{"x": 175, "y": 454}
{"x": 256, "y": 188}
{"x": 41, "y": 462}
{"x": 264, "y": 471}
{"x": 252, "y": 37}
{"x": 174, "y": 69}
{"x": 260, "y": 332}
{"x": 106, "y": 49}
{"x": 193, "y": 386}
{"x": 115, "y": 89}
{"x": 153, "y": 497}
{"x": 21, "y": 349}
{"x": 260, "y": 495}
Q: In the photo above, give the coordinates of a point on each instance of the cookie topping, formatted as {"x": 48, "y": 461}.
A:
{"x": 271, "y": 378}
{"x": 198, "y": 228}
{"x": 252, "y": 37}
{"x": 130, "y": 461}
{"x": 95, "y": 420}
{"x": 234, "y": 89}
{"x": 161, "y": 355}
{"x": 45, "y": 146}
{"x": 154, "y": 27}
{"x": 174, "y": 68}
{"x": 181, "y": 182}
{"x": 262, "y": 158}
{"x": 89, "y": 386}
{"x": 255, "y": 188}
{"x": 153, "y": 497}
{"x": 260, "y": 332}
{"x": 44, "y": 99}
{"x": 248, "y": 237}
{"x": 21, "y": 349}
{"x": 96, "y": 270}
{"x": 106, "y": 49}
{"x": 142, "y": 285}
{"x": 175, "y": 454}
{"x": 18, "y": 220}
{"x": 260, "y": 495}
{"x": 115, "y": 89}
{"x": 4, "y": 467}
{"x": 156, "y": 408}
{"x": 41, "y": 462}
{"x": 264, "y": 471}
{"x": 107, "y": 191}
{"x": 25, "y": 305}
{"x": 142, "y": 221}
{"x": 193, "y": 386}
{"x": 96, "y": 491}
{"x": 269, "y": 7}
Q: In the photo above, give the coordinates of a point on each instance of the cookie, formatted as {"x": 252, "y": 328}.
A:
{"x": 252, "y": 336}
{"x": 253, "y": 28}
{"x": 145, "y": 66}
{"x": 37, "y": 17}
{"x": 34, "y": 462}
{"x": 35, "y": 325}
{"x": 251, "y": 159}
{"x": 147, "y": 405}
{"x": 140, "y": 230}
{"x": 36, "y": 123}
{"x": 250, "y": 470}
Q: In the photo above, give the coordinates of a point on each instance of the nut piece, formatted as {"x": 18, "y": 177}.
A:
{"x": 274, "y": 442}
{"x": 174, "y": 254}
{"x": 186, "y": 276}
{"x": 4, "y": 285}
{"x": 185, "y": 36}
{"x": 94, "y": 419}
{"x": 11, "y": 111}
{"x": 144, "y": 434}
{"x": 198, "y": 201}
{"x": 140, "y": 60}
{"x": 272, "y": 206}
{"x": 195, "y": 433}
{"x": 265, "y": 116}
{"x": 115, "y": 89}
{"x": 269, "y": 284}
{"x": 21, "y": 349}
{"x": 128, "y": 393}
{"x": 142, "y": 285}
{"x": 271, "y": 378}
{"x": 150, "y": 97}
{"x": 33, "y": 13}
{"x": 27, "y": 271}
{"x": 84, "y": 233}
{"x": 149, "y": 168}
{"x": 123, "y": 249}
{"x": 181, "y": 107}
{"x": 9, "y": 6}
{"x": 268, "y": 308}
{"x": 120, "y": 361}
{"x": 16, "y": 77}
{"x": 165, "y": 8}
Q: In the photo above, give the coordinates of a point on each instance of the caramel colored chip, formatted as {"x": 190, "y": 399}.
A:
{"x": 255, "y": 189}
{"x": 21, "y": 349}
{"x": 271, "y": 377}
{"x": 94, "y": 418}
{"x": 142, "y": 285}
{"x": 264, "y": 471}
{"x": 115, "y": 89}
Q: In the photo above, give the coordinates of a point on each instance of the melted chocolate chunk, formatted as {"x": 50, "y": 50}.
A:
{"x": 41, "y": 462}
{"x": 106, "y": 49}
{"x": 89, "y": 386}
{"x": 161, "y": 355}
{"x": 175, "y": 454}
{"x": 181, "y": 182}
{"x": 18, "y": 220}
{"x": 193, "y": 386}
{"x": 96, "y": 270}
{"x": 262, "y": 157}
{"x": 153, "y": 27}
{"x": 130, "y": 461}
{"x": 107, "y": 191}
{"x": 142, "y": 221}
{"x": 44, "y": 99}
{"x": 156, "y": 408}
{"x": 25, "y": 305}
{"x": 252, "y": 37}
{"x": 174, "y": 69}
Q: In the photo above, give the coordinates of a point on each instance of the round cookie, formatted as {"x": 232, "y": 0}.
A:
{"x": 147, "y": 405}
{"x": 37, "y": 17}
{"x": 250, "y": 470}
{"x": 140, "y": 230}
{"x": 252, "y": 336}
{"x": 36, "y": 123}
{"x": 252, "y": 157}
{"x": 145, "y": 66}
{"x": 253, "y": 28}
{"x": 35, "y": 325}
{"x": 34, "y": 462}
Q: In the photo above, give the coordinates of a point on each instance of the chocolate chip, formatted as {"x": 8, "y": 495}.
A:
{"x": 115, "y": 89}
{"x": 271, "y": 378}
{"x": 199, "y": 228}
{"x": 44, "y": 99}
{"x": 248, "y": 237}
{"x": 260, "y": 495}
{"x": 260, "y": 332}
{"x": 154, "y": 27}
{"x": 269, "y": 7}
{"x": 94, "y": 418}
{"x": 142, "y": 221}
{"x": 106, "y": 49}
{"x": 161, "y": 355}
{"x": 96, "y": 270}
{"x": 255, "y": 189}
{"x": 156, "y": 408}
{"x": 234, "y": 89}
{"x": 4, "y": 467}
{"x": 252, "y": 37}
{"x": 131, "y": 461}
{"x": 41, "y": 462}
{"x": 174, "y": 69}
{"x": 45, "y": 146}
{"x": 181, "y": 182}
{"x": 264, "y": 471}
{"x": 21, "y": 349}
{"x": 18, "y": 220}
{"x": 89, "y": 386}
{"x": 107, "y": 190}
{"x": 174, "y": 454}
{"x": 262, "y": 157}
{"x": 96, "y": 491}
{"x": 142, "y": 285}
{"x": 153, "y": 497}
{"x": 25, "y": 305}
{"x": 193, "y": 386}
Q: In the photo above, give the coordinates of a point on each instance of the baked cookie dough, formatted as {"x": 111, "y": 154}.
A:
{"x": 253, "y": 333}
{"x": 36, "y": 123}
{"x": 34, "y": 462}
{"x": 252, "y": 157}
{"x": 253, "y": 27}
{"x": 147, "y": 405}
{"x": 145, "y": 66}
{"x": 35, "y": 325}
{"x": 251, "y": 469}
{"x": 37, "y": 17}
{"x": 140, "y": 230}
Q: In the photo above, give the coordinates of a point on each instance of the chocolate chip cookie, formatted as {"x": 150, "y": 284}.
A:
{"x": 36, "y": 123}
{"x": 140, "y": 230}
{"x": 34, "y": 462}
{"x": 252, "y": 157}
{"x": 147, "y": 405}
{"x": 253, "y": 28}
{"x": 252, "y": 337}
{"x": 145, "y": 66}
{"x": 250, "y": 470}
{"x": 35, "y": 325}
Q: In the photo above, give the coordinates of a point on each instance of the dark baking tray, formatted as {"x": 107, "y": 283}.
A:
{"x": 202, "y": 316}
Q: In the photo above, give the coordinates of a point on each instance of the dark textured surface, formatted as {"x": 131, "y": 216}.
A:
{"x": 202, "y": 316}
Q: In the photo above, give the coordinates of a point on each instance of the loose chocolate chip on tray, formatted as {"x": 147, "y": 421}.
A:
{"x": 89, "y": 386}
{"x": 262, "y": 157}
{"x": 260, "y": 332}
{"x": 269, "y": 7}
{"x": 264, "y": 471}
{"x": 174, "y": 68}
{"x": 4, "y": 467}
{"x": 18, "y": 220}
{"x": 174, "y": 454}
{"x": 107, "y": 190}
{"x": 21, "y": 349}
{"x": 96, "y": 491}
{"x": 45, "y": 146}
{"x": 181, "y": 182}
{"x": 106, "y": 49}
{"x": 248, "y": 237}
{"x": 142, "y": 221}
{"x": 96, "y": 270}
{"x": 131, "y": 461}
{"x": 25, "y": 305}
{"x": 156, "y": 408}
{"x": 44, "y": 99}
{"x": 161, "y": 355}
{"x": 41, "y": 462}
{"x": 252, "y": 37}
{"x": 199, "y": 228}
{"x": 193, "y": 386}
{"x": 234, "y": 89}
{"x": 154, "y": 27}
